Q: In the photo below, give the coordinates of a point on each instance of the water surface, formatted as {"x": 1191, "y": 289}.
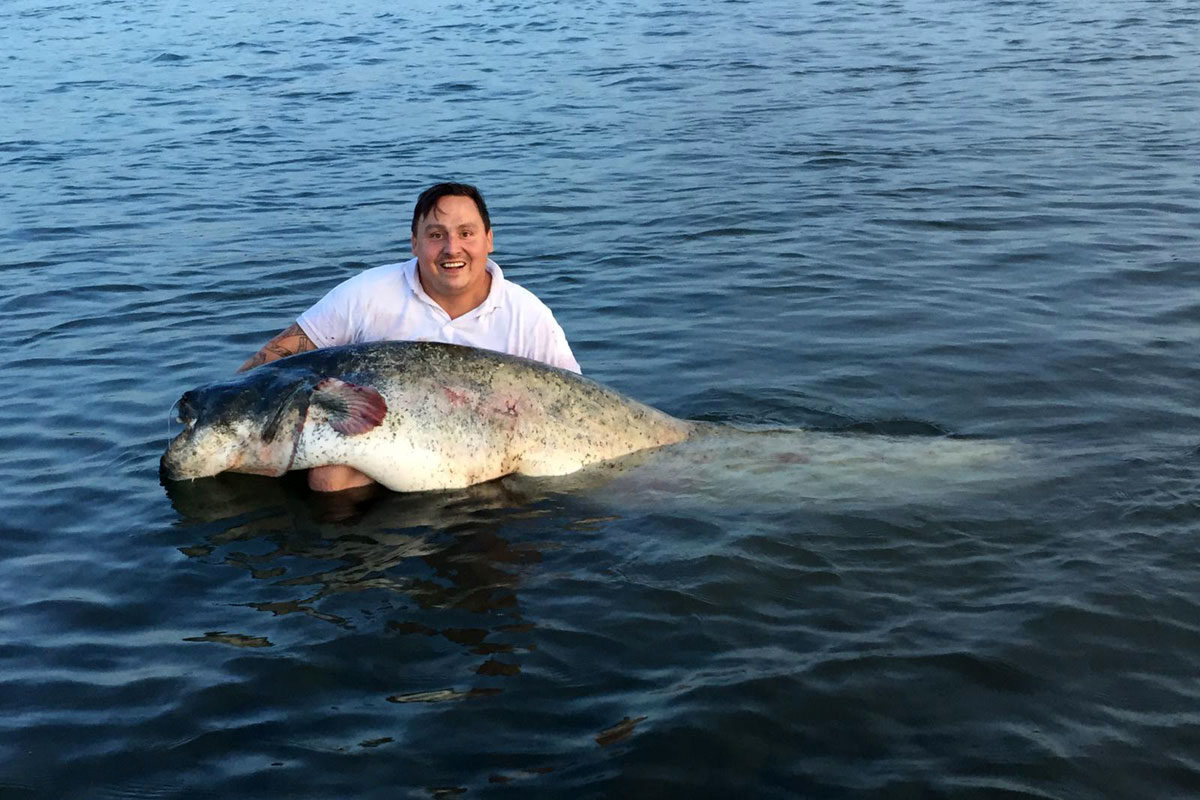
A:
{"x": 962, "y": 221}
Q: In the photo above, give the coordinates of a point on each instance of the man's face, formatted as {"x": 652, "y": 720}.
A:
{"x": 452, "y": 247}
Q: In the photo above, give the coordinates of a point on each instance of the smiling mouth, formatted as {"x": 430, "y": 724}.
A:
{"x": 452, "y": 264}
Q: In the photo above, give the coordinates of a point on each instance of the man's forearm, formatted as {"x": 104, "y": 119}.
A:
{"x": 290, "y": 341}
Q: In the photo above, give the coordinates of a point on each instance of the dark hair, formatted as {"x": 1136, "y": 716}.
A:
{"x": 429, "y": 198}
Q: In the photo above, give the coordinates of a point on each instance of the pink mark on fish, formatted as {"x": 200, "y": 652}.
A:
{"x": 455, "y": 398}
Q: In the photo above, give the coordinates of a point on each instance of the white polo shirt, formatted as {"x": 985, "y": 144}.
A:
{"x": 388, "y": 303}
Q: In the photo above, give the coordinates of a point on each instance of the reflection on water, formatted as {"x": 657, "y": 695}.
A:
{"x": 438, "y": 550}
{"x": 428, "y": 571}
{"x": 368, "y": 532}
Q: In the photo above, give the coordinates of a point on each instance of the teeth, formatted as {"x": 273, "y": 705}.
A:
{"x": 453, "y": 264}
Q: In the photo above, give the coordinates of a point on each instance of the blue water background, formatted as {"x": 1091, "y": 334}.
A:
{"x": 965, "y": 218}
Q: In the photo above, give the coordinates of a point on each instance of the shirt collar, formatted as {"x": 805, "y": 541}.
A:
{"x": 489, "y": 304}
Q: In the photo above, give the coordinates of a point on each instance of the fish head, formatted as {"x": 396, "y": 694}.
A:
{"x": 248, "y": 424}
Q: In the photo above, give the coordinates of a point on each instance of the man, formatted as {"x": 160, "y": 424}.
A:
{"x": 449, "y": 292}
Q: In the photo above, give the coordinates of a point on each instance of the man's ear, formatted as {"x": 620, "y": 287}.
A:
{"x": 413, "y": 241}
{"x": 491, "y": 242}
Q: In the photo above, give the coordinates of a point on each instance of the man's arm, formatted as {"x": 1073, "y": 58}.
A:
{"x": 290, "y": 341}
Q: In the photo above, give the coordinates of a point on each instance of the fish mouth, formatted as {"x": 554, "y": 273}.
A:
{"x": 175, "y": 454}
{"x": 166, "y": 470}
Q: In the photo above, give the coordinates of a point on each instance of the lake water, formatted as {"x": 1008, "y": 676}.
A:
{"x": 957, "y": 223}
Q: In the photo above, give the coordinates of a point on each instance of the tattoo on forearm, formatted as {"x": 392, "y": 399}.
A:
{"x": 257, "y": 359}
{"x": 292, "y": 340}
{"x": 295, "y": 331}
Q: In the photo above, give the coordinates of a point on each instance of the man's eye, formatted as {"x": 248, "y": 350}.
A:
{"x": 435, "y": 236}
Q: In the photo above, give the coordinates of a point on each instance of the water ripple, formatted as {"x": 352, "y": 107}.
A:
{"x": 971, "y": 224}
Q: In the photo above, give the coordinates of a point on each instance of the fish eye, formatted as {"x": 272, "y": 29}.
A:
{"x": 178, "y": 419}
{"x": 184, "y": 410}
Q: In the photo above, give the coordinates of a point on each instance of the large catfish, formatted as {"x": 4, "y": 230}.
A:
{"x": 413, "y": 416}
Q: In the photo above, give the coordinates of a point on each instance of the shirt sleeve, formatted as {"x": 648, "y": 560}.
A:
{"x": 553, "y": 348}
{"x": 329, "y": 321}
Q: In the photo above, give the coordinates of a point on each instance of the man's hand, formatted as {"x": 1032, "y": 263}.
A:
{"x": 290, "y": 341}
{"x": 335, "y": 478}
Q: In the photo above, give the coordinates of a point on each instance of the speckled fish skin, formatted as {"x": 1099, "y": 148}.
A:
{"x": 455, "y": 416}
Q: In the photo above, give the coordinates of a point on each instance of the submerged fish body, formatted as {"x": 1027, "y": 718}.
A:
{"x": 413, "y": 416}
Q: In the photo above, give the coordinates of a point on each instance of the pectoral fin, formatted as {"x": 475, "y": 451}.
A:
{"x": 350, "y": 409}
